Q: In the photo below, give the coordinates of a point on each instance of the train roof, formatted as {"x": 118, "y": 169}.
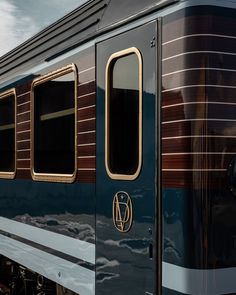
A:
{"x": 84, "y": 23}
{"x": 92, "y": 19}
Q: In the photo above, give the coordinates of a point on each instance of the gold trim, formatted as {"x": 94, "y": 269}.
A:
{"x": 53, "y": 177}
{"x": 58, "y": 114}
{"x": 107, "y": 96}
{"x": 123, "y": 223}
{"x": 6, "y": 127}
{"x": 10, "y": 92}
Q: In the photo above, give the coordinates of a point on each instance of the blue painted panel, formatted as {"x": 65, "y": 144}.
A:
{"x": 68, "y": 209}
{"x": 123, "y": 262}
{"x": 178, "y": 237}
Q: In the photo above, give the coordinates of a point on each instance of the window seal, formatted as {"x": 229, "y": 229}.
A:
{"x": 53, "y": 177}
{"x": 113, "y": 57}
{"x": 12, "y": 174}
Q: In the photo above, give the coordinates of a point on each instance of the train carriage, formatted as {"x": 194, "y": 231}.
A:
{"x": 117, "y": 152}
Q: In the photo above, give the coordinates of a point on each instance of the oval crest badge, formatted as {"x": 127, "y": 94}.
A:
{"x": 122, "y": 212}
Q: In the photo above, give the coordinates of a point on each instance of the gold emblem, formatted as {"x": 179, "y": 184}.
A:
{"x": 122, "y": 212}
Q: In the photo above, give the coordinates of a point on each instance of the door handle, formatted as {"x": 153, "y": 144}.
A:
{"x": 150, "y": 251}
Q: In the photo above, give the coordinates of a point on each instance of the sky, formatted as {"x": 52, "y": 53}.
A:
{"x": 21, "y": 19}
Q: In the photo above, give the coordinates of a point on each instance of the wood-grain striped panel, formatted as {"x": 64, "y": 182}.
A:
{"x": 24, "y": 135}
{"x": 23, "y": 130}
{"x": 87, "y": 162}
{"x": 199, "y": 144}
{"x": 176, "y": 26}
{"x": 86, "y": 176}
{"x": 198, "y": 99}
{"x": 88, "y": 137}
{"x": 86, "y": 88}
{"x": 86, "y": 100}
{"x": 212, "y": 77}
{"x": 198, "y": 128}
{"x": 23, "y": 90}
{"x": 221, "y": 112}
{"x": 195, "y": 180}
{"x": 22, "y": 145}
{"x": 200, "y": 42}
{"x": 197, "y": 161}
{"x": 23, "y": 173}
{"x": 87, "y": 75}
{"x": 183, "y": 62}
{"x": 86, "y": 114}
{"x": 196, "y": 60}
{"x": 198, "y": 94}
{"x": 23, "y": 126}
{"x": 23, "y": 117}
{"x": 25, "y": 107}
{"x": 86, "y": 60}
{"x": 86, "y": 125}
{"x": 23, "y": 163}
{"x": 23, "y": 154}
{"x": 87, "y": 150}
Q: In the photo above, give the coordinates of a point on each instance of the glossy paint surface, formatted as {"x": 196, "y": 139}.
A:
{"x": 123, "y": 262}
{"x": 45, "y": 224}
{"x": 198, "y": 144}
{"x": 55, "y": 207}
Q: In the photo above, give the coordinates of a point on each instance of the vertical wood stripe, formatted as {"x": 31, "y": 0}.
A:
{"x": 23, "y": 130}
{"x": 86, "y": 127}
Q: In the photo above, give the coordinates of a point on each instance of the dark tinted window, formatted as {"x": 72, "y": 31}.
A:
{"x": 54, "y": 125}
{"x": 7, "y": 133}
{"x": 123, "y": 115}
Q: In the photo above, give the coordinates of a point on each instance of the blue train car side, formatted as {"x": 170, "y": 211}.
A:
{"x": 117, "y": 152}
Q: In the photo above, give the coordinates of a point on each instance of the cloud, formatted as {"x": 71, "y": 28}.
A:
{"x": 13, "y": 29}
{"x": 21, "y": 19}
{"x": 7, "y": 25}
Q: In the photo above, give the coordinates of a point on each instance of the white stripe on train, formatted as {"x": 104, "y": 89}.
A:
{"x": 199, "y": 281}
{"x": 198, "y": 35}
{"x": 63, "y": 272}
{"x": 79, "y": 249}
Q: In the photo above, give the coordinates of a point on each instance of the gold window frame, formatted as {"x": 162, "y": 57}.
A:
{"x": 3, "y": 95}
{"x": 109, "y": 64}
{"x": 52, "y": 177}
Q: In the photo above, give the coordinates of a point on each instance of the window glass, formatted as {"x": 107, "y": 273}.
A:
{"x": 123, "y": 116}
{"x": 7, "y": 133}
{"x": 54, "y": 125}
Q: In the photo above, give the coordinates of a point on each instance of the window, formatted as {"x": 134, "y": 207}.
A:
{"x": 8, "y": 134}
{"x": 124, "y": 114}
{"x": 54, "y": 132}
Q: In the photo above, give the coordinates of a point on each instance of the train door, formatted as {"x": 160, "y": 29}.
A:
{"x": 126, "y": 193}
